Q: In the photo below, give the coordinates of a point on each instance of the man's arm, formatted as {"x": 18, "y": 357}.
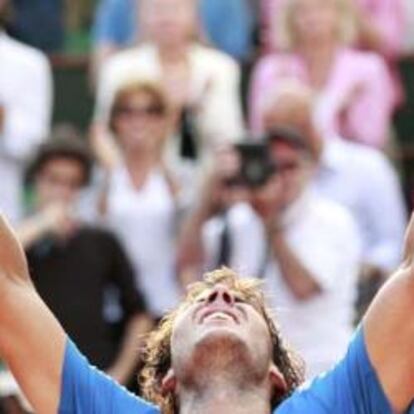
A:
{"x": 31, "y": 340}
{"x": 389, "y": 331}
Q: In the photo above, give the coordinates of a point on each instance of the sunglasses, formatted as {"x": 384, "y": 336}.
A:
{"x": 153, "y": 111}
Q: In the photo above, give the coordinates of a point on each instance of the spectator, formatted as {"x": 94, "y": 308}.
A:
{"x": 360, "y": 178}
{"x": 228, "y": 25}
{"x": 73, "y": 265}
{"x": 380, "y": 24}
{"x": 202, "y": 84}
{"x": 355, "y": 92}
{"x": 279, "y": 239}
{"x": 25, "y": 111}
{"x": 140, "y": 202}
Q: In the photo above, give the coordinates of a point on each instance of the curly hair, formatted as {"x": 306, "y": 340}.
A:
{"x": 157, "y": 355}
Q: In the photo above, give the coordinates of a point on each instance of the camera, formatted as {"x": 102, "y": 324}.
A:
{"x": 256, "y": 165}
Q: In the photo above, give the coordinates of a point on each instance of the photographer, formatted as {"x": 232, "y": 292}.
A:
{"x": 305, "y": 248}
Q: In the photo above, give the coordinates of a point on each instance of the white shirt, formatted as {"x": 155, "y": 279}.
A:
{"x": 363, "y": 180}
{"x": 26, "y": 96}
{"x": 323, "y": 236}
{"x": 214, "y": 87}
{"x": 145, "y": 222}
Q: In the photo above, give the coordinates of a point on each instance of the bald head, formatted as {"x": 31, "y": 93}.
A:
{"x": 292, "y": 106}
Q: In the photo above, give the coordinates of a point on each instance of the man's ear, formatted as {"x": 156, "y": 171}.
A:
{"x": 169, "y": 382}
{"x": 277, "y": 380}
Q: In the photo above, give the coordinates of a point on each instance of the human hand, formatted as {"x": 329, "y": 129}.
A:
{"x": 103, "y": 147}
{"x": 58, "y": 219}
{"x": 219, "y": 190}
{"x": 268, "y": 201}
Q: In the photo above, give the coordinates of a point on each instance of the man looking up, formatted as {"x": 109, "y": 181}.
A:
{"x": 228, "y": 318}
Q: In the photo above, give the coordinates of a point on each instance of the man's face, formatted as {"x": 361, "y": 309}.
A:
{"x": 60, "y": 180}
{"x": 217, "y": 329}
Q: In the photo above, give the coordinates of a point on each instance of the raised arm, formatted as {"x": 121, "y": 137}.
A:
{"x": 389, "y": 331}
{"x": 31, "y": 340}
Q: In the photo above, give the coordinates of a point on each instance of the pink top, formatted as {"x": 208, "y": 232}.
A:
{"x": 357, "y": 101}
{"x": 386, "y": 14}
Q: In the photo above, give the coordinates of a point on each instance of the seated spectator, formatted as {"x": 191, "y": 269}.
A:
{"x": 380, "y": 24}
{"x": 73, "y": 265}
{"x": 201, "y": 83}
{"x": 277, "y": 236}
{"x": 228, "y": 25}
{"x": 360, "y": 178}
{"x": 356, "y": 97}
{"x": 25, "y": 112}
{"x": 140, "y": 200}
{"x": 39, "y": 23}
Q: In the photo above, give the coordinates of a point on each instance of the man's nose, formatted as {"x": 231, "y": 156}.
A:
{"x": 221, "y": 294}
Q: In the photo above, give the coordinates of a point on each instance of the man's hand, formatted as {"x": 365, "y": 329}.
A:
{"x": 57, "y": 219}
{"x": 268, "y": 202}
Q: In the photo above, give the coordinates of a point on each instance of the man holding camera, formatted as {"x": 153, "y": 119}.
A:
{"x": 270, "y": 223}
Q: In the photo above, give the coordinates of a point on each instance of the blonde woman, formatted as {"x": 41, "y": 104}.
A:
{"x": 354, "y": 89}
{"x": 139, "y": 201}
{"x": 381, "y": 24}
{"x": 201, "y": 83}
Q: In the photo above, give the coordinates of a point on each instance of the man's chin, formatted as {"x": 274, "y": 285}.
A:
{"x": 220, "y": 338}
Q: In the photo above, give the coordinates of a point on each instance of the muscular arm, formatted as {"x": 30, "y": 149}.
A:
{"x": 31, "y": 340}
{"x": 389, "y": 331}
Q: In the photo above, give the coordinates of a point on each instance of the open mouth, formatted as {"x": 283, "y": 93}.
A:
{"x": 218, "y": 315}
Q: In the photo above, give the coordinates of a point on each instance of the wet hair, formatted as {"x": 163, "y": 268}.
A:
{"x": 157, "y": 355}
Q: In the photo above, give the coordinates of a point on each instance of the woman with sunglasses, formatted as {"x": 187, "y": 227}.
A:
{"x": 201, "y": 83}
{"x": 139, "y": 202}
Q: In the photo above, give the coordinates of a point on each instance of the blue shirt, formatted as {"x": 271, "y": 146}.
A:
{"x": 229, "y": 24}
{"x": 352, "y": 387}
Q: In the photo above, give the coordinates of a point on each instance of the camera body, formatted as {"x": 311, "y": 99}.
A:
{"x": 256, "y": 164}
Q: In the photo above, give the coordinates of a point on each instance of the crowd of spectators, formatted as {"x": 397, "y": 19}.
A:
{"x": 176, "y": 176}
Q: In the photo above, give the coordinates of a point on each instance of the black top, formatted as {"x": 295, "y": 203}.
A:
{"x": 72, "y": 277}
